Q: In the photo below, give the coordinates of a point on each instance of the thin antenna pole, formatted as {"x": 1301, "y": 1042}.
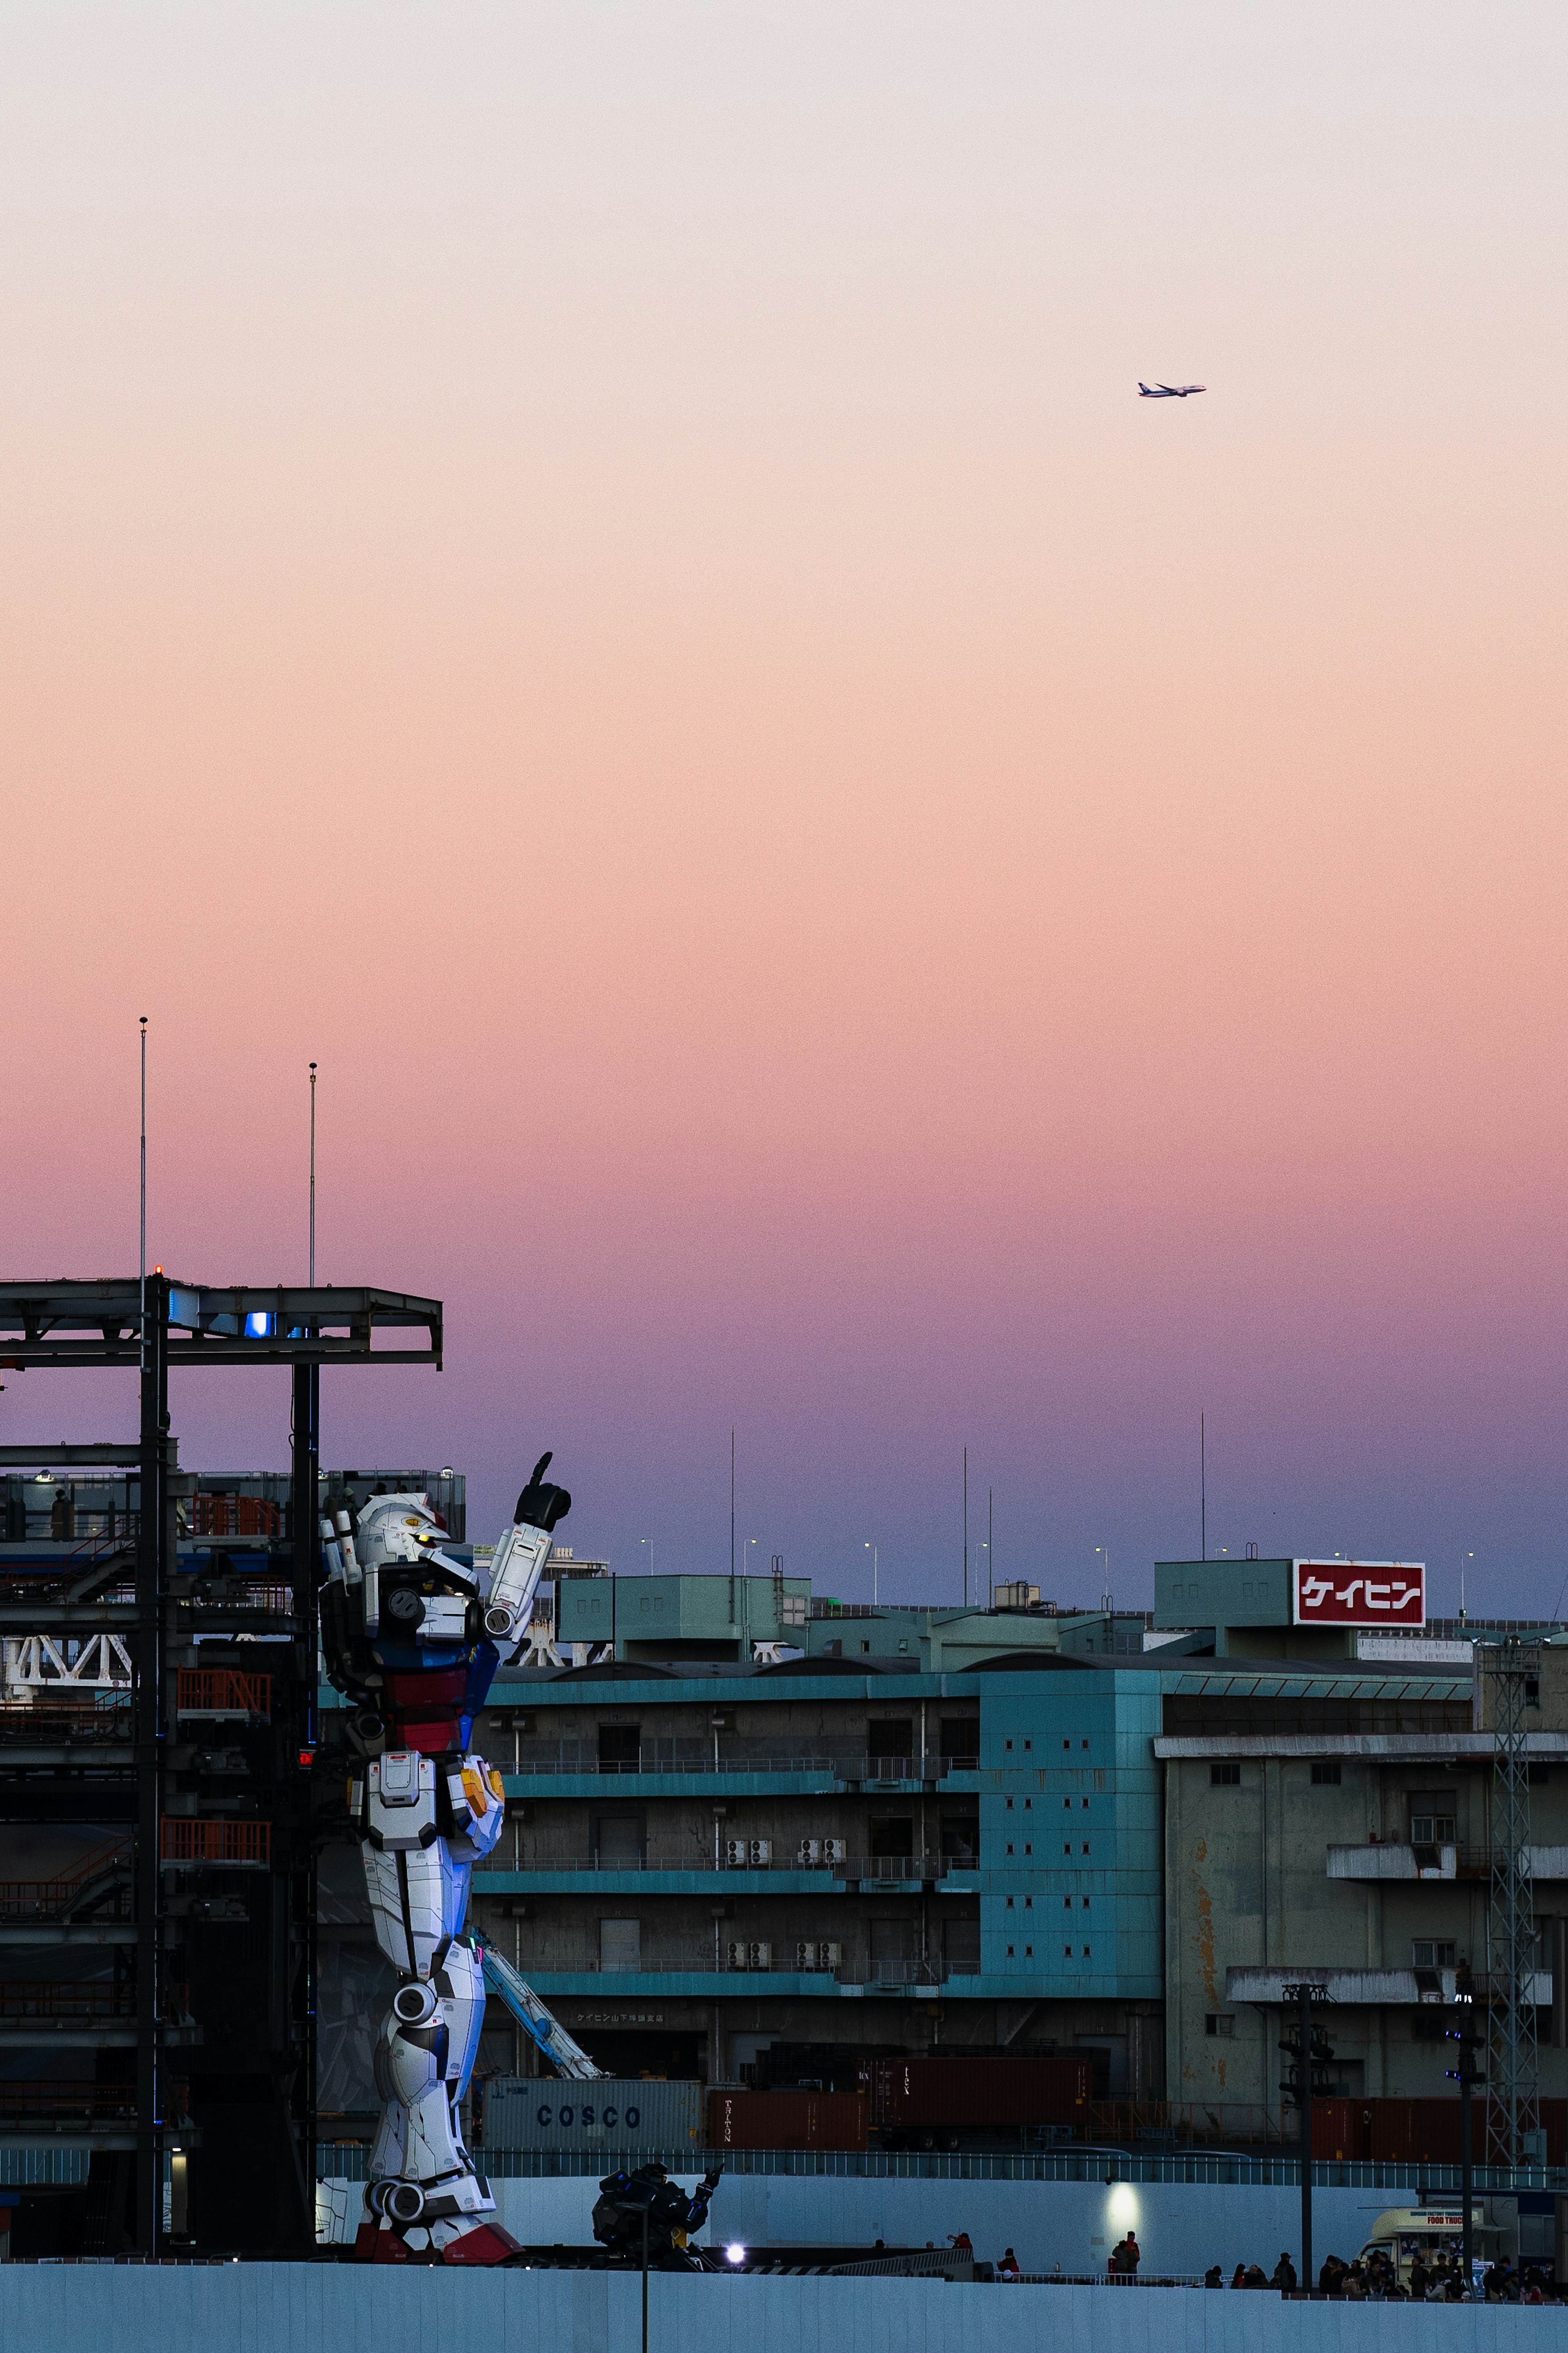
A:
{"x": 142, "y": 1260}
{"x": 966, "y": 1527}
{"x": 312, "y": 1176}
{"x": 1202, "y": 1489}
{"x": 731, "y": 1523}
{"x": 990, "y": 1554}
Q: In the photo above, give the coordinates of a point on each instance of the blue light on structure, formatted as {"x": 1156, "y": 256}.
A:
{"x": 259, "y": 1325}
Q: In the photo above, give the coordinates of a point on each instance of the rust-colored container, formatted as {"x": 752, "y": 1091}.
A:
{"x": 1417, "y": 2132}
{"x": 1342, "y": 2131}
{"x": 914, "y": 2092}
{"x": 786, "y": 2120}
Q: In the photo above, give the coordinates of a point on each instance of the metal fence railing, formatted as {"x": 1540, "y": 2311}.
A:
{"x": 699, "y": 1758}
{"x": 347, "y": 2160}
{"x": 244, "y": 1845}
{"x": 222, "y": 1691}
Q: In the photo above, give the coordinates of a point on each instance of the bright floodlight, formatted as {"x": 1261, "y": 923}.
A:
{"x": 736, "y": 2254}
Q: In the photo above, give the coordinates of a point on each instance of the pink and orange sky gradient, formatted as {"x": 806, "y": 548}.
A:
{"x": 599, "y": 570}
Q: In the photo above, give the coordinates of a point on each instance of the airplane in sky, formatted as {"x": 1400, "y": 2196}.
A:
{"x": 1169, "y": 391}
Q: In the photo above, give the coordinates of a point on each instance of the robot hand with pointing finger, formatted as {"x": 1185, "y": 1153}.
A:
{"x": 412, "y": 1631}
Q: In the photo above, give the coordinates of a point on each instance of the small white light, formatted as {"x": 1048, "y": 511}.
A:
{"x": 736, "y": 2254}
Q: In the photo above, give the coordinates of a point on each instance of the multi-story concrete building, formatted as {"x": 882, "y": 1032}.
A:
{"x": 1341, "y": 1829}
{"x": 747, "y": 1820}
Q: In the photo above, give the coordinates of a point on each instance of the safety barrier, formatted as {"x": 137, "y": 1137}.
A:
{"x": 223, "y": 1692}
{"x": 247, "y": 1845}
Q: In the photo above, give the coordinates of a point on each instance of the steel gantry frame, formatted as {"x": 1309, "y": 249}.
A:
{"x": 1510, "y": 1670}
{"x": 102, "y": 1324}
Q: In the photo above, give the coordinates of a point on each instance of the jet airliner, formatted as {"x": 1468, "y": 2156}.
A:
{"x": 1169, "y": 391}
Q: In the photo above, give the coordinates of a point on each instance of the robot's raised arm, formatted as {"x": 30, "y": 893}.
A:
{"x": 520, "y": 1558}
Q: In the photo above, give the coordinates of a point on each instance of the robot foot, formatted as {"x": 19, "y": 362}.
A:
{"x": 487, "y": 2243}
{"x": 481, "y": 2242}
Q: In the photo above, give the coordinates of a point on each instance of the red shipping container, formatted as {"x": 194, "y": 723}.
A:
{"x": 1342, "y": 2131}
{"x": 1416, "y": 2132}
{"x": 786, "y": 2120}
{"x": 913, "y": 2092}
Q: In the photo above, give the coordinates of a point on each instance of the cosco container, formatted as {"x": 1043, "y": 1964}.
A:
{"x": 977, "y": 2092}
{"x": 786, "y": 2120}
{"x": 609, "y": 2114}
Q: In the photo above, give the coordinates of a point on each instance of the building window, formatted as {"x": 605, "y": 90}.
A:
{"x": 1226, "y": 1775}
{"x": 1028, "y": 1902}
{"x": 1066, "y": 1902}
{"x": 960, "y": 1739}
{"x": 1066, "y": 1952}
{"x": 1028, "y": 1952}
{"x": 1028, "y": 1848}
{"x": 1028, "y": 1805}
{"x": 1067, "y": 1846}
{"x": 1430, "y": 1953}
{"x": 1086, "y": 1804}
{"x": 1010, "y": 1951}
{"x": 1009, "y": 1904}
{"x": 1219, "y": 2022}
{"x": 620, "y": 1841}
{"x": 1431, "y": 1830}
{"x": 619, "y": 1744}
{"x": 893, "y": 1834}
{"x": 1085, "y": 1744}
{"x": 1006, "y": 1743}
{"x": 891, "y": 1736}
{"x": 1086, "y": 1904}
{"x": 1068, "y": 1803}
{"x": 620, "y": 1945}
{"x": 1009, "y": 1804}
{"x": 1086, "y": 1846}
{"x": 1067, "y": 1744}
{"x": 1326, "y": 1774}
{"x": 1028, "y": 1744}
{"x": 1086, "y": 1952}
{"x": 1009, "y": 1846}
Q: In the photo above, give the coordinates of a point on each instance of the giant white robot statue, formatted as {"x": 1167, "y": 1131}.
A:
{"x": 413, "y": 1633}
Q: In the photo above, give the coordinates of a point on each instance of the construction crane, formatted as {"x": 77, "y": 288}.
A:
{"x": 565, "y": 2057}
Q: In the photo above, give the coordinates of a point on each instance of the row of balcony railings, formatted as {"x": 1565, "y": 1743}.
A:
{"x": 63, "y": 2101}
{"x": 762, "y": 1957}
{"x": 848, "y": 1763}
{"x": 780, "y": 1856}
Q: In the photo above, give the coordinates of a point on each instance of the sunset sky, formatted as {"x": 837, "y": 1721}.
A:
{"x": 600, "y": 570}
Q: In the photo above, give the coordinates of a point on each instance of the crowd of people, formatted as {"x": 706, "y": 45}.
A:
{"x": 1375, "y": 2281}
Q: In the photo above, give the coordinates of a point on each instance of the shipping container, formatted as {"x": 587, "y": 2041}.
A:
{"x": 1342, "y": 2131}
{"x": 977, "y": 2093}
{"x": 609, "y": 2115}
{"x": 786, "y": 2120}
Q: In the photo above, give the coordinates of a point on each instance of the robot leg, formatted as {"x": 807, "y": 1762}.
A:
{"x": 424, "y": 2197}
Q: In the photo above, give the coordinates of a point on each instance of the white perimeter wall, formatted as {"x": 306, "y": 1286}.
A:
{"x": 1181, "y": 2227}
{"x": 364, "y": 2308}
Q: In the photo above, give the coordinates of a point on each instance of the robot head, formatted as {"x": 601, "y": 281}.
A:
{"x": 405, "y": 1528}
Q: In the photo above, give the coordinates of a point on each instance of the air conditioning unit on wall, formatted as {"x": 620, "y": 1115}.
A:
{"x": 750, "y": 1955}
{"x": 811, "y": 1851}
{"x": 816, "y": 1954}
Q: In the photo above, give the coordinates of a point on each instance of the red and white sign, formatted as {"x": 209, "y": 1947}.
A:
{"x": 1359, "y": 1593}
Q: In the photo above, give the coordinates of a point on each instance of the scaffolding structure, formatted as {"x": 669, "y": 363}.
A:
{"x": 1511, "y": 1672}
{"x": 205, "y": 1786}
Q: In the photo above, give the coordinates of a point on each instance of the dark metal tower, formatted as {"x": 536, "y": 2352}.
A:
{"x": 213, "y": 1786}
{"x": 1510, "y": 1671}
